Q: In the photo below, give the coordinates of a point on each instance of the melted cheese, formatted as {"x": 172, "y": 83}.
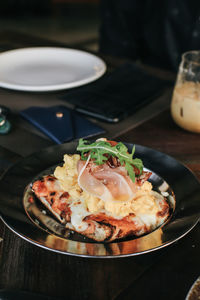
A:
{"x": 79, "y": 212}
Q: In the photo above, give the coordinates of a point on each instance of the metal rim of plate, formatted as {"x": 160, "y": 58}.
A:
{"x": 169, "y": 176}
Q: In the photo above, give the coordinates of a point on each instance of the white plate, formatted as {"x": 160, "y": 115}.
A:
{"x": 48, "y": 69}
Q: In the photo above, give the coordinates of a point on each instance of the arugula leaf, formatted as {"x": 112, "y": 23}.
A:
{"x": 130, "y": 171}
{"x": 99, "y": 148}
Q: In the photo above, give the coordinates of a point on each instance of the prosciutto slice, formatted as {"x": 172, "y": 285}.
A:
{"x": 105, "y": 182}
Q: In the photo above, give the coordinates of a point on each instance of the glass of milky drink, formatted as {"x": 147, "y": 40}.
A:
{"x": 185, "y": 105}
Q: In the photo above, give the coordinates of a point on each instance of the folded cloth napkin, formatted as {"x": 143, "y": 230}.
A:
{"x": 117, "y": 94}
{"x": 60, "y": 123}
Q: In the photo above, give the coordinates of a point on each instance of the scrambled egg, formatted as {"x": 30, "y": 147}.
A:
{"x": 144, "y": 201}
{"x": 68, "y": 175}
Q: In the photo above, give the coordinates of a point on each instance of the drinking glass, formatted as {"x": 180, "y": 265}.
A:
{"x": 185, "y": 104}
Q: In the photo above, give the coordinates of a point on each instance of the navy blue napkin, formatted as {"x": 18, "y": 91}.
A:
{"x": 60, "y": 123}
{"x": 117, "y": 94}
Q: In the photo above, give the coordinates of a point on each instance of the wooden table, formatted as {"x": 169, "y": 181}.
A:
{"x": 164, "y": 274}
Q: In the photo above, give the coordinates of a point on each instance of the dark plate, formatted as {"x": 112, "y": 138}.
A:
{"x": 169, "y": 176}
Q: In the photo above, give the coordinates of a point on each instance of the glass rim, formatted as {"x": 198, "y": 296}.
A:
{"x": 191, "y": 52}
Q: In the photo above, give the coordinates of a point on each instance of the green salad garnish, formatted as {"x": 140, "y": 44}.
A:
{"x": 98, "y": 149}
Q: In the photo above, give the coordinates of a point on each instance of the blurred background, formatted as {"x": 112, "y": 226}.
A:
{"x": 69, "y": 21}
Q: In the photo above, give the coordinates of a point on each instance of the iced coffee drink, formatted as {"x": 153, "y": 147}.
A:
{"x": 185, "y": 105}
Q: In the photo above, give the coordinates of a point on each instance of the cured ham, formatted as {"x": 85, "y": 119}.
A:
{"x": 108, "y": 182}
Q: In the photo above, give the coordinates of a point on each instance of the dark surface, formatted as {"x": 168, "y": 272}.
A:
{"x": 172, "y": 275}
{"x": 169, "y": 272}
{"x": 18, "y": 295}
{"x": 156, "y": 32}
{"x": 164, "y": 274}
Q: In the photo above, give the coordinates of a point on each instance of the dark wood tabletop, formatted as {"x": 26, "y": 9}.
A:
{"x": 164, "y": 274}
